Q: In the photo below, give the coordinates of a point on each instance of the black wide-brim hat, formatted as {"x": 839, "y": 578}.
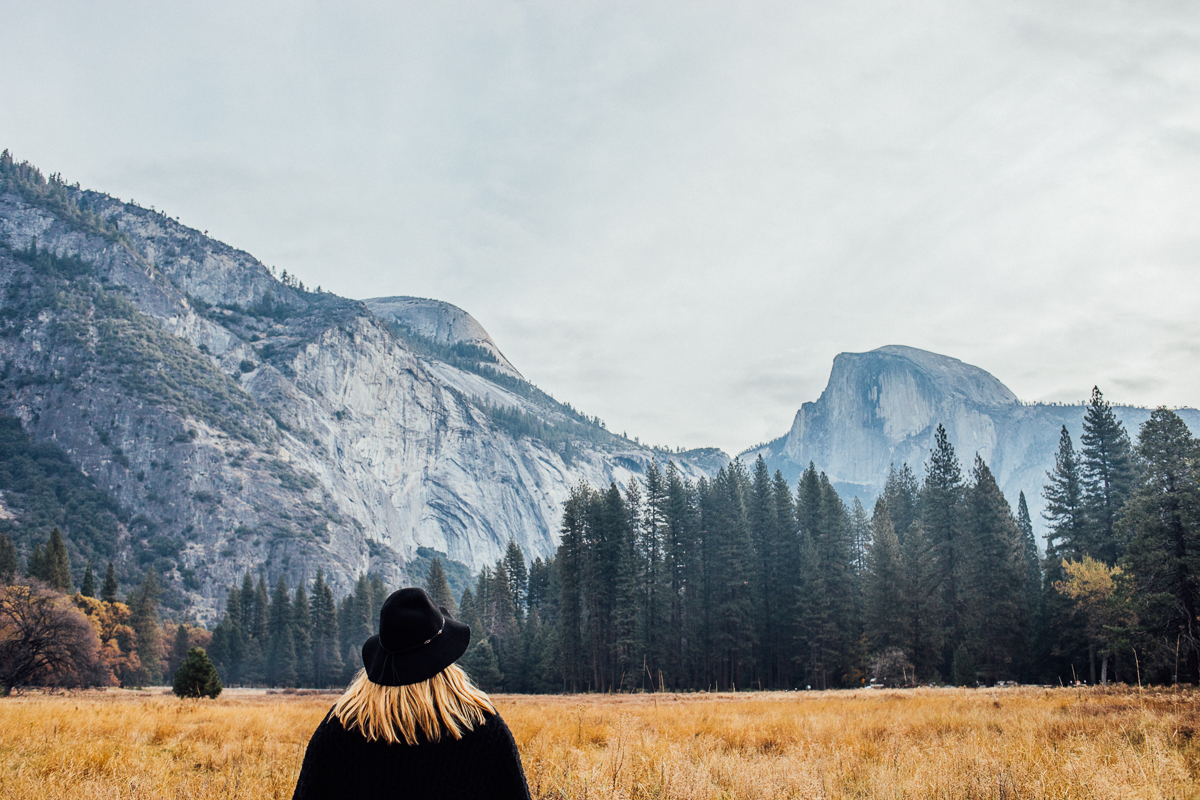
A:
{"x": 416, "y": 640}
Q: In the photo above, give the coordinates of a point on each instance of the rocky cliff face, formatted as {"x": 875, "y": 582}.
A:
{"x": 883, "y": 407}
{"x": 243, "y": 422}
{"x": 440, "y": 322}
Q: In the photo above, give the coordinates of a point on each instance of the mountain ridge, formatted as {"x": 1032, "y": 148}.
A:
{"x": 882, "y": 407}
{"x": 247, "y": 422}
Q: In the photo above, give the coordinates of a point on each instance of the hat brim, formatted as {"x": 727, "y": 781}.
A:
{"x": 402, "y": 669}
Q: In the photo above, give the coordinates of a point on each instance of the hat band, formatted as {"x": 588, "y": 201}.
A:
{"x": 415, "y": 646}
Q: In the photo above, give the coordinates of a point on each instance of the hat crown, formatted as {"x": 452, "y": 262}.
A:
{"x": 408, "y": 619}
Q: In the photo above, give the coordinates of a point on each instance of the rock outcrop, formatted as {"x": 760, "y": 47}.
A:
{"x": 883, "y": 407}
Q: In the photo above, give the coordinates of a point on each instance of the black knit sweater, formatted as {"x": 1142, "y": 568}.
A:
{"x": 341, "y": 763}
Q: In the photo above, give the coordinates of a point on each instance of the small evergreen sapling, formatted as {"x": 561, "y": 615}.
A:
{"x": 196, "y": 676}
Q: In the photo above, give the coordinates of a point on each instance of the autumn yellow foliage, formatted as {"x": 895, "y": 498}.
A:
{"x": 924, "y": 743}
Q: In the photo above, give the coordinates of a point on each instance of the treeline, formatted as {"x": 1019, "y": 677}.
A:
{"x": 739, "y": 582}
{"x": 279, "y": 637}
{"x": 50, "y": 636}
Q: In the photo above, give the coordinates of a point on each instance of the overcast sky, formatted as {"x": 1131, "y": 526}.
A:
{"x": 673, "y": 215}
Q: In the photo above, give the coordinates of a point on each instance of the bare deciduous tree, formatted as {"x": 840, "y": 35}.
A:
{"x": 44, "y": 640}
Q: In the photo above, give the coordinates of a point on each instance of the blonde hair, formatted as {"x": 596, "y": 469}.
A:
{"x": 446, "y": 703}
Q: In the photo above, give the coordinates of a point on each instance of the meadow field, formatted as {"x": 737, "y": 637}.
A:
{"x": 923, "y": 743}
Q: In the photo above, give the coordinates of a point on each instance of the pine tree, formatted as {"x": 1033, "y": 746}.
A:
{"x": 228, "y": 646}
{"x": 108, "y": 592}
{"x": 1032, "y": 592}
{"x": 941, "y": 518}
{"x": 261, "y": 611}
{"x": 570, "y": 559}
{"x": 1062, "y": 632}
{"x": 302, "y": 634}
{"x": 239, "y": 638}
{"x": 995, "y": 611}
{"x": 327, "y": 658}
{"x": 684, "y": 577}
{"x": 248, "y": 599}
{"x": 468, "y": 611}
{"x": 8, "y": 559}
{"x": 1064, "y": 505}
{"x": 281, "y": 642}
{"x": 50, "y": 563}
{"x": 144, "y": 619}
{"x": 37, "y": 566}
{"x": 379, "y": 593}
{"x": 1107, "y": 473}
{"x": 924, "y": 626}
{"x": 812, "y": 611}
{"x": 653, "y": 580}
{"x": 480, "y": 663}
{"x": 1029, "y": 556}
{"x": 1163, "y": 516}
{"x": 59, "y": 561}
{"x": 764, "y": 533}
{"x": 218, "y": 646}
{"x": 503, "y": 627}
{"x": 518, "y": 577}
{"x": 628, "y": 612}
{"x": 860, "y": 536}
{"x": 356, "y": 622}
{"x": 884, "y": 618}
{"x": 786, "y": 565}
{"x": 88, "y": 589}
{"x": 537, "y": 661}
{"x": 836, "y": 550}
{"x": 900, "y": 492}
{"x": 732, "y": 568}
{"x": 439, "y": 589}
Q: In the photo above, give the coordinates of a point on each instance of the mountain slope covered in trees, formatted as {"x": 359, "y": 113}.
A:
{"x": 234, "y": 418}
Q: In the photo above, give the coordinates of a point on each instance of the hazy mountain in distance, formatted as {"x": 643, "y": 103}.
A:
{"x": 883, "y": 407}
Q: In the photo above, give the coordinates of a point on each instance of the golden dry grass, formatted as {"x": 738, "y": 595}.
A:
{"x": 905, "y": 744}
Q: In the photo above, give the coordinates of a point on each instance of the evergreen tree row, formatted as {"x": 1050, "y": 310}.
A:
{"x": 282, "y": 638}
{"x": 741, "y": 582}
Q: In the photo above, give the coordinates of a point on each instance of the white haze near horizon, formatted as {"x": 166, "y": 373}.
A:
{"x": 673, "y": 215}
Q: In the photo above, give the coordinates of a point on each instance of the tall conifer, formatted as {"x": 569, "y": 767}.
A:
{"x": 281, "y": 642}
{"x": 994, "y": 604}
{"x": 885, "y": 620}
{"x": 327, "y": 658}
{"x": 439, "y": 588}
{"x": 88, "y": 588}
{"x": 1163, "y": 558}
{"x": 1064, "y": 505}
{"x": 108, "y": 592}
{"x": 144, "y": 619}
{"x": 1106, "y": 470}
{"x": 302, "y": 634}
{"x": 941, "y": 518}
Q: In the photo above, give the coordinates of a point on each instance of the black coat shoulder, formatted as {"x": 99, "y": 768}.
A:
{"x": 341, "y": 763}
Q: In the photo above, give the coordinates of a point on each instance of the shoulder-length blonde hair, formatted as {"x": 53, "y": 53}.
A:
{"x": 447, "y": 703}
